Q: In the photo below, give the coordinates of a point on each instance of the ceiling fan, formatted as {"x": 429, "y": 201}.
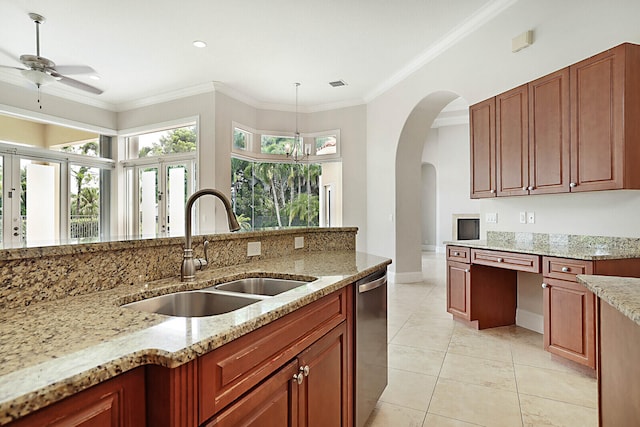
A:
{"x": 40, "y": 70}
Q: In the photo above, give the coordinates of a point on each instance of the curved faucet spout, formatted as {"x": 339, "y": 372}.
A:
{"x": 188, "y": 269}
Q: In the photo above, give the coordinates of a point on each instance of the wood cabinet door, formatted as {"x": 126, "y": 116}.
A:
{"x": 459, "y": 289}
{"x": 482, "y": 125}
{"x": 597, "y": 135}
{"x": 274, "y": 403}
{"x": 324, "y": 396}
{"x": 569, "y": 321}
{"x": 119, "y": 402}
{"x": 512, "y": 142}
{"x": 549, "y": 134}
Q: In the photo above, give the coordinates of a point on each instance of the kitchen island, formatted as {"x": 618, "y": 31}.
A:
{"x": 52, "y": 350}
{"x": 618, "y": 320}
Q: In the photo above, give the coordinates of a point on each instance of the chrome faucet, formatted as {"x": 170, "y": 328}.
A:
{"x": 188, "y": 269}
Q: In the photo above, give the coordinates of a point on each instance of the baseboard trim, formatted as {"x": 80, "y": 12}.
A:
{"x": 529, "y": 320}
{"x": 412, "y": 277}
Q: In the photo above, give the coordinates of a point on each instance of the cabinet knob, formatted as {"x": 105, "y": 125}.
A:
{"x": 466, "y": 270}
{"x": 298, "y": 378}
{"x": 456, "y": 254}
{"x": 304, "y": 370}
{"x": 530, "y": 188}
{"x": 524, "y": 188}
{"x": 565, "y": 269}
{"x": 493, "y": 191}
{"x": 500, "y": 259}
{"x": 545, "y": 286}
{"x": 573, "y": 184}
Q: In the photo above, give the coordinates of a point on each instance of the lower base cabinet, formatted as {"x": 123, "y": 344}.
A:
{"x": 119, "y": 402}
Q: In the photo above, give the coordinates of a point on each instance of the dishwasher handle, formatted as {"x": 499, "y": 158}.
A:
{"x": 369, "y": 286}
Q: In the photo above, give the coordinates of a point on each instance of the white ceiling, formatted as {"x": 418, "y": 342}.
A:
{"x": 257, "y": 49}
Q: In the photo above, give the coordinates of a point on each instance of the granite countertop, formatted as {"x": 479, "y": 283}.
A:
{"x": 588, "y": 248}
{"x": 622, "y": 293}
{"x": 52, "y": 350}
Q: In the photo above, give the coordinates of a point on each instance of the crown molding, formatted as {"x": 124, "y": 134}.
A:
{"x": 474, "y": 22}
{"x": 166, "y": 97}
{"x": 53, "y": 120}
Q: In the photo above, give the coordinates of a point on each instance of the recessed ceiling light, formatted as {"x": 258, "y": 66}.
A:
{"x": 199, "y": 43}
{"x": 94, "y": 77}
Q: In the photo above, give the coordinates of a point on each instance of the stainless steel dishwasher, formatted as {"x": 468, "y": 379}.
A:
{"x": 371, "y": 343}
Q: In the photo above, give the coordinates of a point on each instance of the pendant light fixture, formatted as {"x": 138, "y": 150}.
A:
{"x": 298, "y": 152}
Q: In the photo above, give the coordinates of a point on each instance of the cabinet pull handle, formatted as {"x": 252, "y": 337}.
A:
{"x": 573, "y": 184}
{"x": 298, "y": 378}
{"x": 304, "y": 370}
{"x": 500, "y": 259}
{"x": 530, "y": 188}
{"x": 565, "y": 269}
{"x": 545, "y": 286}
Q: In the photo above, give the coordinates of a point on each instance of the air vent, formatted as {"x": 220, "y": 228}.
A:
{"x": 337, "y": 83}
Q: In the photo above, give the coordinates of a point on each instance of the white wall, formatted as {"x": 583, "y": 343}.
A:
{"x": 429, "y": 207}
{"x": 482, "y": 65}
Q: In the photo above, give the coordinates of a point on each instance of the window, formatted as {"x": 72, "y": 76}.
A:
{"x": 159, "y": 178}
{"x": 326, "y": 145}
{"x": 270, "y": 144}
{"x": 241, "y": 139}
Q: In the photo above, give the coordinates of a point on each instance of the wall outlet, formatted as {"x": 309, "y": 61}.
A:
{"x": 298, "y": 242}
{"x": 523, "y": 217}
{"x": 531, "y": 217}
{"x": 254, "y": 248}
{"x": 491, "y": 218}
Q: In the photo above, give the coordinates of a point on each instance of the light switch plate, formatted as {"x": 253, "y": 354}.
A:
{"x": 523, "y": 217}
{"x": 254, "y": 248}
{"x": 531, "y": 217}
{"x": 298, "y": 242}
{"x": 492, "y": 218}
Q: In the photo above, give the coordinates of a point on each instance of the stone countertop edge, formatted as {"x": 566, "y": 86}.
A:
{"x": 622, "y": 293}
{"x": 54, "y": 371}
{"x": 582, "y": 253}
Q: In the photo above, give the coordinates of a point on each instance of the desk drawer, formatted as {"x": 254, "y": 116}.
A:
{"x": 507, "y": 260}
{"x": 458, "y": 254}
{"x": 565, "y": 268}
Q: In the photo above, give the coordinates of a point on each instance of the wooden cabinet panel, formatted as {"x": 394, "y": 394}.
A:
{"x": 271, "y": 404}
{"x": 508, "y": 260}
{"x": 569, "y": 321}
{"x": 459, "y": 289}
{"x": 482, "y": 124}
{"x": 549, "y": 134}
{"x": 172, "y": 395}
{"x": 565, "y": 269}
{"x": 458, "y": 254}
{"x": 119, "y": 402}
{"x": 228, "y": 372}
{"x": 512, "y": 142}
{"x": 324, "y": 398}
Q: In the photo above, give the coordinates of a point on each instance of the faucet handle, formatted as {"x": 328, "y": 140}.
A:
{"x": 205, "y": 245}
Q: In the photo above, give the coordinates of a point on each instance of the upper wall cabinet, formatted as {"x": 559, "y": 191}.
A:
{"x": 482, "y": 123}
{"x": 573, "y": 130}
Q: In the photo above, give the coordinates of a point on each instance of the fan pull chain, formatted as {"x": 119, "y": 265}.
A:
{"x": 39, "y": 103}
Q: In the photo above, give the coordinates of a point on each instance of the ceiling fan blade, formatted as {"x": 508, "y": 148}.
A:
{"x": 74, "y": 69}
{"x": 12, "y": 68}
{"x": 77, "y": 84}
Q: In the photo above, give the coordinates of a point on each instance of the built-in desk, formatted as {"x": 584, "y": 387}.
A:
{"x": 482, "y": 283}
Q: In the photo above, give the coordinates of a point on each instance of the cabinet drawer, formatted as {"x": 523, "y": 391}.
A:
{"x": 229, "y": 371}
{"x": 508, "y": 260}
{"x": 565, "y": 268}
{"x": 458, "y": 254}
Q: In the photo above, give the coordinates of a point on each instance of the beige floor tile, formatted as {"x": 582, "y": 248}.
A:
{"x": 472, "y": 403}
{"x": 423, "y": 336}
{"x": 412, "y": 359}
{"x": 474, "y": 370}
{"x": 566, "y": 387}
{"x": 409, "y": 389}
{"x": 433, "y": 420}
{"x": 478, "y": 344}
{"x": 389, "y": 415}
{"x": 539, "y": 412}
{"x": 532, "y": 355}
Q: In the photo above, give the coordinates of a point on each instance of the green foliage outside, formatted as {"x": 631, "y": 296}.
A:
{"x": 275, "y": 144}
{"x": 180, "y": 140}
{"x": 269, "y": 195}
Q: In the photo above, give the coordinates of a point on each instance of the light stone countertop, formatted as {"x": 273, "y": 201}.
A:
{"x": 588, "y": 248}
{"x": 622, "y": 293}
{"x": 52, "y": 350}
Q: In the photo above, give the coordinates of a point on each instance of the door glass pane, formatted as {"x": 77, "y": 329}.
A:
{"x": 39, "y": 201}
{"x": 84, "y": 203}
{"x": 176, "y": 198}
{"x": 149, "y": 202}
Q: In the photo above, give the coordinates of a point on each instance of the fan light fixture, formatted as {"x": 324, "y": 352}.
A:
{"x": 299, "y": 151}
{"x": 37, "y": 77}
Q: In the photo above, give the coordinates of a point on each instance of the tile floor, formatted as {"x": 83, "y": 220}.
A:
{"x": 442, "y": 373}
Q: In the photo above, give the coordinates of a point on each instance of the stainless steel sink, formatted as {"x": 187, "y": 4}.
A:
{"x": 192, "y": 304}
{"x": 259, "y": 286}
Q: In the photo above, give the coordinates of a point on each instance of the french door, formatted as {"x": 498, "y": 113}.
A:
{"x": 157, "y": 195}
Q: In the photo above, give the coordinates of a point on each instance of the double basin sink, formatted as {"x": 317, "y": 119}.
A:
{"x": 218, "y": 299}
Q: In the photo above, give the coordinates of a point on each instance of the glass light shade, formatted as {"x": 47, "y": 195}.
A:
{"x": 39, "y": 78}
